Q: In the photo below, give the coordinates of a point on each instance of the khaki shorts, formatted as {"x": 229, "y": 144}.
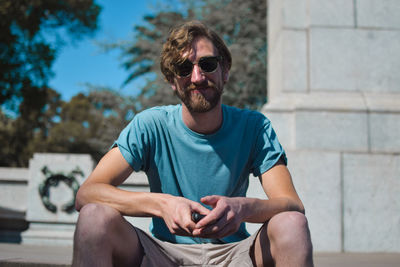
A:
{"x": 161, "y": 253}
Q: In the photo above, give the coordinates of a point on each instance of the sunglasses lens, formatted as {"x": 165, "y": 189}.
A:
{"x": 185, "y": 68}
{"x": 208, "y": 64}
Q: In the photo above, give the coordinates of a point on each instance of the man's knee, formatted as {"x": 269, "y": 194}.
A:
{"x": 285, "y": 222}
{"x": 96, "y": 221}
{"x": 103, "y": 234}
{"x": 289, "y": 230}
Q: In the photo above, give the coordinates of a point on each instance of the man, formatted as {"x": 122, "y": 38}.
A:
{"x": 197, "y": 156}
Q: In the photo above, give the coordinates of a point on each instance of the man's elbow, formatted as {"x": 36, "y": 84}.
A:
{"x": 78, "y": 206}
{"x": 296, "y": 206}
{"x": 79, "y": 203}
{"x": 301, "y": 209}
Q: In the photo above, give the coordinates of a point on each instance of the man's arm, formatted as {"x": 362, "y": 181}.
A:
{"x": 282, "y": 196}
{"x": 229, "y": 213}
{"x": 113, "y": 170}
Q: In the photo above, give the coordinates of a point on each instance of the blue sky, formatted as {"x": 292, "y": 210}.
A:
{"x": 83, "y": 61}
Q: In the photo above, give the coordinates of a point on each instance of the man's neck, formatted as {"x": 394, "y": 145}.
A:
{"x": 203, "y": 122}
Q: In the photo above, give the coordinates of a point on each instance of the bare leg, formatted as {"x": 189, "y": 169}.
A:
{"x": 104, "y": 238}
{"x": 284, "y": 241}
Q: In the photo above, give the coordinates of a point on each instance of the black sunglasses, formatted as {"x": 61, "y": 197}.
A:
{"x": 206, "y": 64}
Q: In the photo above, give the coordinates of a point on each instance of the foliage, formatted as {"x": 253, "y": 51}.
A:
{"x": 86, "y": 124}
{"x": 29, "y": 40}
{"x": 89, "y": 123}
{"x": 242, "y": 24}
{"x": 37, "y": 112}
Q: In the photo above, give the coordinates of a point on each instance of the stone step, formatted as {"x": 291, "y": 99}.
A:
{"x": 12, "y": 255}
{"x": 17, "y": 255}
{"x": 31, "y": 264}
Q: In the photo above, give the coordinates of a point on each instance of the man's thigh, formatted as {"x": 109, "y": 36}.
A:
{"x": 261, "y": 250}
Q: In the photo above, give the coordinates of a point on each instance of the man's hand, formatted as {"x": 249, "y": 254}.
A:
{"x": 223, "y": 220}
{"x": 177, "y": 215}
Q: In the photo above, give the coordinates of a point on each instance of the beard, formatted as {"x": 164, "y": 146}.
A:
{"x": 207, "y": 97}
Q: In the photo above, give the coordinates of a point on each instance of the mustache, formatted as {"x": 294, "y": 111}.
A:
{"x": 206, "y": 84}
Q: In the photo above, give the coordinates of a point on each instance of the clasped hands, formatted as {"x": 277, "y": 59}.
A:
{"x": 222, "y": 220}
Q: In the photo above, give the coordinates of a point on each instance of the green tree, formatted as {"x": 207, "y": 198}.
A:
{"x": 18, "y": 136}
{"x": 30, "y": 38}
{"x": 89, "y": 123}
{"x": 242, "y": 24}
{"x": 6, "y": 127}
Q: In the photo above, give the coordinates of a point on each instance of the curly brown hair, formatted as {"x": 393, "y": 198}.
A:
{"x": 179, "y": 42}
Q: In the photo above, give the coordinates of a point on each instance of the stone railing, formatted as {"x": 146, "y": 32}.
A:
{"x": 13, "y": 203}
{"x": 37, "y": 203}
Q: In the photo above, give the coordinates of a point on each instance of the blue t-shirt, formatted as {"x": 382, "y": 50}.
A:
{"x": 181, "y": 162}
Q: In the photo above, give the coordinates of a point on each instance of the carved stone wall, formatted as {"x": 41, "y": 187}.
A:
{"x": 36, "y": 202}
{"x": 53, "y": 182}
{"x": 334, "y": 100}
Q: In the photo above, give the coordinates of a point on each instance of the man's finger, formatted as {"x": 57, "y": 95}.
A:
{"x": 213, "y": 216}
{"x": 215, "y": 230}
{"x": 210, "y": 200}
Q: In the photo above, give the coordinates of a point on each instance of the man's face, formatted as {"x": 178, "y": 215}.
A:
{"x": 201, "y": 91}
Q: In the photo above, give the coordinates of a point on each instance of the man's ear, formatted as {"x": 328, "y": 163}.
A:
{"x": 226, "y": 76}
{"x": 173, "y": 85}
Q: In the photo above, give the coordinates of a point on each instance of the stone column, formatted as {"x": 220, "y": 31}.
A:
{"x": 334, "y": 100}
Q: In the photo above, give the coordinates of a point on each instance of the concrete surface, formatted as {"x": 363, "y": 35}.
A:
{"x": 30, "y": 255}
{"x": 334, "y": 102}
{"x": 13, "y": 255}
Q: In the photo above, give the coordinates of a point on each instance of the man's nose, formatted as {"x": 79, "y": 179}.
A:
{"x": 197, "y": 75}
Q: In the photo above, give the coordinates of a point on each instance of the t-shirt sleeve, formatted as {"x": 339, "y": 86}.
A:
{"x": 267, "y": 149}
{"x": 133, "y": 143}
